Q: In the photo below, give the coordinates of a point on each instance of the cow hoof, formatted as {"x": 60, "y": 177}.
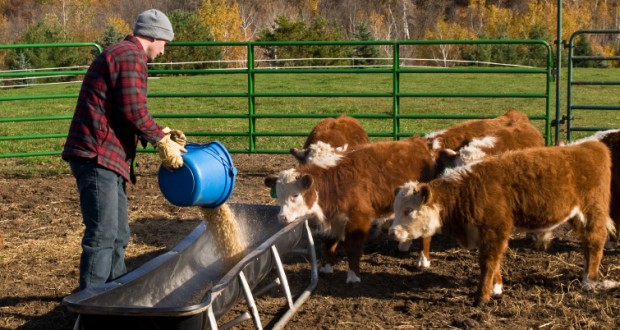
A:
{"x": 497, "y": 290}
{"x": 600, "y": 285}
{"x": 404, "y": 246}
{"x": 423, "y": 263}
{"x": 327, "y": 269}
{"x": 481, "y": 303}
{"x": 352, "y": 277}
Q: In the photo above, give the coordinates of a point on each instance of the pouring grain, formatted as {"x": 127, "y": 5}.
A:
{"x": 226, "y": 233}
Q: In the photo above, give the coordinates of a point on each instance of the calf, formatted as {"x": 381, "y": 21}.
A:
{"x": 459, "y": 135}
{"x": 332, "y": 135}
{"x": 347, "y": 197}
{"x": 473, "y": 140}
{"x": 519, "y": 135}
{"x": 611, "y": 138}
{"x": 533, "y": 189}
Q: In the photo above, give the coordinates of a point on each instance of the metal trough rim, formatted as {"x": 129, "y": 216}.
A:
{"x": 74, "y": 301}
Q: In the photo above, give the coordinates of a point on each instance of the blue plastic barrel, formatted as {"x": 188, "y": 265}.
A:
{"x": 207, "y": 177}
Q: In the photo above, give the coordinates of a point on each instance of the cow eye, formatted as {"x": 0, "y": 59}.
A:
{"x": 408, "y": 211}
{"x": 294, "y": 196}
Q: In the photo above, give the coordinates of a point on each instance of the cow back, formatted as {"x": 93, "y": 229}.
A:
{"x": 366, "y": 178}
{"x": 339, "y": 131}
{"x": 537, "y": 186}
{"x": 459, "y": 135}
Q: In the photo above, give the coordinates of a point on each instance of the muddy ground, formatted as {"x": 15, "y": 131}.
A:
{"x": 41, "y": 226}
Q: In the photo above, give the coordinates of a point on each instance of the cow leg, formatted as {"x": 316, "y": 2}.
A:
{"x": 329, "y": 255}
{"x": 425, "y": 253}
{"x": 356, "y": 234}
{"x": 594, "y": 236}
{"x": 498, "y": 286}
{"x": 492, "y": 248}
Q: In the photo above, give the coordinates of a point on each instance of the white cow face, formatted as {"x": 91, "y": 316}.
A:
{"x": 291, "y": 187}
{"x": 415, "y": 215}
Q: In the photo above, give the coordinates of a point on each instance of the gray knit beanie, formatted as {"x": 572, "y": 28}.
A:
{"x": 155, "y": 24}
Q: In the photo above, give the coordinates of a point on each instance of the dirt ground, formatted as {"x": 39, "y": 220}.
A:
{"x": 41, "y": 226}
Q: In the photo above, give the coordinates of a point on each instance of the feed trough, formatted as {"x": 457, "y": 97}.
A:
{"x": 189, "y": 287}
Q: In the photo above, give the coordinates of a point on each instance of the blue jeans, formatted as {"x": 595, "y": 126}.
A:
{"x": 103, "y": 202}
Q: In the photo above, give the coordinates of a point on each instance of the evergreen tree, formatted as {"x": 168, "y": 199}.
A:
{"x": 313, "y": 55}
{"x": 364, "y": 54}
{"x": 536, "y": 55}
{"x": 583, "y": 48}
{"x": 46, "y": 57}
{"x": 110, "y": 35}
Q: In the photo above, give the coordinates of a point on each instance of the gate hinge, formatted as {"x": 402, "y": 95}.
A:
{"x": 562, "y": 121}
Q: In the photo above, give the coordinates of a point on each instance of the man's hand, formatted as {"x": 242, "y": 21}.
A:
{"x": 176, "y": 135}
{"x": 170, "y": 152}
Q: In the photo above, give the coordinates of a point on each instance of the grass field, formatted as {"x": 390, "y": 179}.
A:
{"x": 215, "y": 106}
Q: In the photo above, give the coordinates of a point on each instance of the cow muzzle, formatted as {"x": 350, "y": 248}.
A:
{"x": 398, "y": 233}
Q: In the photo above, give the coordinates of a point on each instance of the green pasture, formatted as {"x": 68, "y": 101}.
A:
{"x": 207, "y": 96}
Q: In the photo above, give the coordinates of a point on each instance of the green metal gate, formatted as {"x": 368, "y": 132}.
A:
{"x": 392, "y": 98}
{"x": 577, "y": 88}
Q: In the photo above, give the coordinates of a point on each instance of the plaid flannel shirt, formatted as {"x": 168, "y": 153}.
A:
{"x": 111, "y": 112}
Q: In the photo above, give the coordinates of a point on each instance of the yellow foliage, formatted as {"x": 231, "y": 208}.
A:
{"x": 376, "y": 22}
{"x": 497, "y": 20}
{"x": 444, "y": 30}
{"x": 607, "y": 50}
{"x": 3, "y": 26}
{"x": 225, "y": 23}
{"x": 313, "y": 6}
{"x": 223, "y": 19}
{"x": 448, "y": 31}
{"x": 76, "y": 17}
{"x": 119, "y": 24}
{"x": 575, "y": 16}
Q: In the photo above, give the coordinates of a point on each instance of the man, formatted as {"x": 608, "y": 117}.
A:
{"x": 110, "y": 117}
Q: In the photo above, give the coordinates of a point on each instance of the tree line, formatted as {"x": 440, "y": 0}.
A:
{"x": 106, "y": 21}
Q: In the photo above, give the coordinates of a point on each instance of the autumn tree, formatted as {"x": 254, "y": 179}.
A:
{"x": 189, "y": 27}
{"x": 445, "y": 53}
{"x": 223, "y": 19}
{"x": 3, "y": 23}
{"x": 75, "y": 17}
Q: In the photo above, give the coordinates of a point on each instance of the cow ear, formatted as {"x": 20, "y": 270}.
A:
{"x": 306, "y": 181}
{"x": 270, "y": 180}
{"x": 424, "y": 192}
{"x": 299, "y": 154}
{"x": 445, "y": 159}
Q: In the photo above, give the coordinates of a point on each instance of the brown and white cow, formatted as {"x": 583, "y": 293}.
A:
{"x": 347, "y": 197}
{"x": 517, "y": 136}
{"x": 532, "y": 190}
{"x": 472, "y": 140}
{"x": 457, "y": 136}
{"x": 611, "y": 138}
{"x": 331, "y": 136}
